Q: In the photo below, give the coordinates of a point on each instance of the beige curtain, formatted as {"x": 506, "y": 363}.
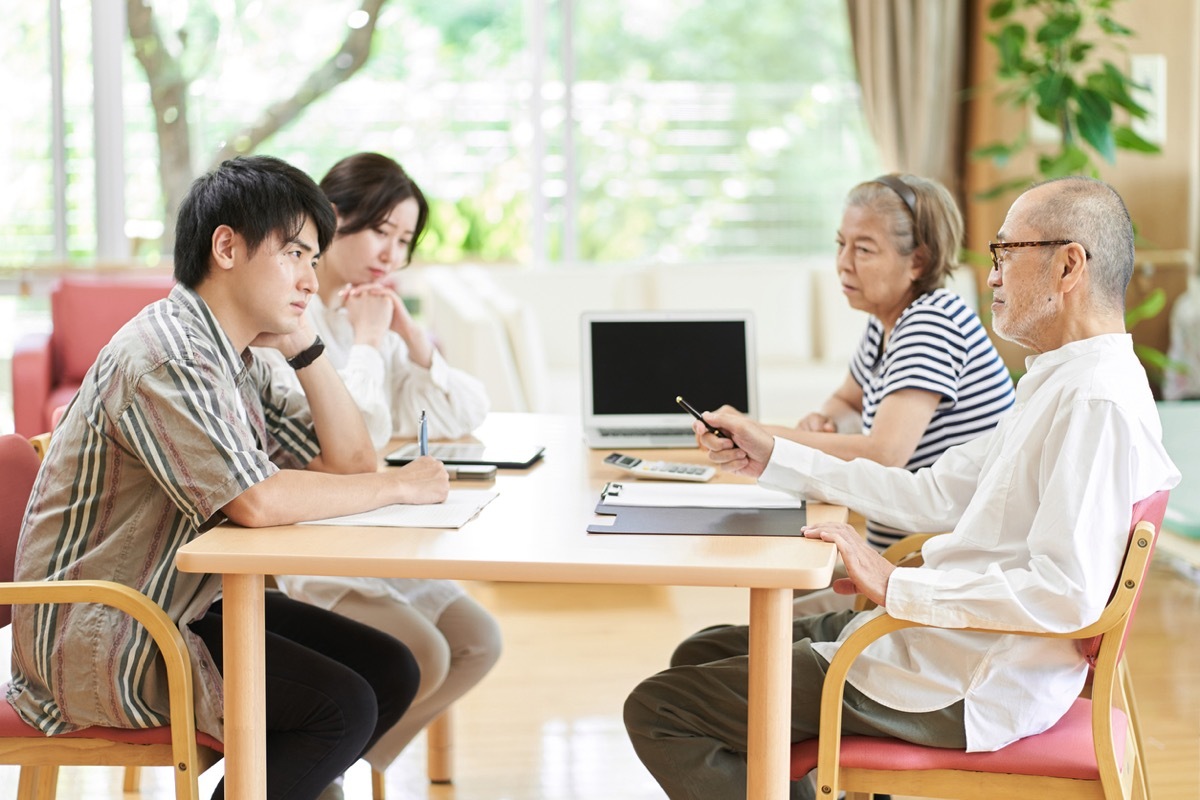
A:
{"x": 910, "y": 65}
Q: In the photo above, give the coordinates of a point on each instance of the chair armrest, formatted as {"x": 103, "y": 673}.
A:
{"x": 31, "y": 378}
{"x": 150, "y": 615}
{"x": 907, "y": 551}
{"x": 904, "y": 553}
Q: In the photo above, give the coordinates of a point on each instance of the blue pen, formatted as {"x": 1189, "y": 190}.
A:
{"x": 423, "y": 435}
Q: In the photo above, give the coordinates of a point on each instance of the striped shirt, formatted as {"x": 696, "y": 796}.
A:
{"x": 938, "y": 345}
{"x": 170, "y": 425}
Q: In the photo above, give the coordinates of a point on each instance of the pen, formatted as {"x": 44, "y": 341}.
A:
{"x": 688, "y": 407}
{"x": 423, "y": 434}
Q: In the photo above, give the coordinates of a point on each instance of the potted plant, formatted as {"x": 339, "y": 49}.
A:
{"x": 1051, "y": 67}
{"x": 1052, "y": 64}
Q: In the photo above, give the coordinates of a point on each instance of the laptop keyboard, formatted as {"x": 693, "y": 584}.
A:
{"x": 645, "y": 432}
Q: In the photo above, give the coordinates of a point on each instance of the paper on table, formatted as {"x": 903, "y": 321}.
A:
{"x": 691, "y": 495}
{"x": 460, "y": 506}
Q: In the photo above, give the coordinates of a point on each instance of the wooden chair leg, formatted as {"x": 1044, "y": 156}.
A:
{"x": 37, "y": 783}
{"x": 377, "y": 785}
{"x": 133, "y": 779}
{"x": 439, "y": 744}
{"x": 1135, "y": 725}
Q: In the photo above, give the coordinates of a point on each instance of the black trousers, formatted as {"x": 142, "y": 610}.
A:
{"x": 333, "y": 686}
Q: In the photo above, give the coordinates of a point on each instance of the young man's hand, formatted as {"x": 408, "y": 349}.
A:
{"x": 290, "y": 344}
{"x": 423, "y": 480}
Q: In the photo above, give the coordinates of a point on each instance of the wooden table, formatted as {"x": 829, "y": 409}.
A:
{"x": 534, "y": 531}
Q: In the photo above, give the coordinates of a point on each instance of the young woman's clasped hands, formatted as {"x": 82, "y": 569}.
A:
{"x": 375, "y": 308}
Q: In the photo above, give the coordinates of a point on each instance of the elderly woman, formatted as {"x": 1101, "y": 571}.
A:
{"x": 925, "y": 375}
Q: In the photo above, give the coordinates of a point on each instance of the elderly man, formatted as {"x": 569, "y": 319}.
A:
{"x": 1039, "y": 511}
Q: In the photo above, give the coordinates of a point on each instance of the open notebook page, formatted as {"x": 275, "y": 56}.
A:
{"x": 460, "y": 506}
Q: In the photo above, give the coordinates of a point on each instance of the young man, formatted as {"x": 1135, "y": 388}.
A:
{"x": 177, "y": 427}
{"x": 1040, "y": 514}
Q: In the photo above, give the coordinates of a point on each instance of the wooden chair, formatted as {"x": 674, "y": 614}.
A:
{"x": 1093, "y": 752}
{"x": 177, "y": 745}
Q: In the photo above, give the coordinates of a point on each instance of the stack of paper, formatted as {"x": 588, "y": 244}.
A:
{"x": 693, "y": 495}
{"x": 460, "y": 507}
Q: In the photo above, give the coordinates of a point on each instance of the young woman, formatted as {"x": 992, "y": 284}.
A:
{"x": 393, "y": 372}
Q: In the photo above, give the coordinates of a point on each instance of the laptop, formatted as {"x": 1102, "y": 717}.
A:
{"x": 635, "y": 363}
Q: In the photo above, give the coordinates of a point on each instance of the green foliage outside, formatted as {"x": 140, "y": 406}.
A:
{"x": 703, "y": 129}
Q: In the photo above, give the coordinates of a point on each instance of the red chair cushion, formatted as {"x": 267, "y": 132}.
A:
{"x": 13, "y": 727}
{"x": 1063, "y": 751}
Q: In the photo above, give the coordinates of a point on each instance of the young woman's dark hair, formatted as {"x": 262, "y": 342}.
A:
{"x": 258, "y": 197}
{"x": 365, "y": 187}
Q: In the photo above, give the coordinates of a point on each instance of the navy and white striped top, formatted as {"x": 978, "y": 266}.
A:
{"x": 938, "y": 345}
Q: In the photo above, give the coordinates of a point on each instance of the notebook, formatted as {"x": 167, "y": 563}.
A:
{"x": 636, "y": 363}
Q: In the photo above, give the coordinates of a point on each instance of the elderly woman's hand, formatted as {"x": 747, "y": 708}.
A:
{"x": 816, "y": 422}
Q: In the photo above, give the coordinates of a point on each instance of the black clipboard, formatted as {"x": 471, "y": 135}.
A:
{"x": 700, "y": 521}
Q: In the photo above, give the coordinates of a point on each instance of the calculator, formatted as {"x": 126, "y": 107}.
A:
{"x": 662, "y": 470}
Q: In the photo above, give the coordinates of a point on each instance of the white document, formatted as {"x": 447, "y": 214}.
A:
{"x": 460, "y": 507}
{"x": 693, "y": 495}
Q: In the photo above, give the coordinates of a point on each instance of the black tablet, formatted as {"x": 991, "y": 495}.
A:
{"x": 459, "y": 453}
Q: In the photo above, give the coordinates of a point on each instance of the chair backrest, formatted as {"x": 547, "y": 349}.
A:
{"x": 19, "y": 465}
{"x": 86, "y": 311}
{"x": 1150, "y": 509}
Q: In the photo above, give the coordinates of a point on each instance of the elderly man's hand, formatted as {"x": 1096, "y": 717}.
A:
{"x": 744, "y": 449}
{"x": 868, "y": 571}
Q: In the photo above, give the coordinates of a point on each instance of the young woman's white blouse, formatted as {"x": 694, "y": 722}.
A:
{"x": 389, "y": 389}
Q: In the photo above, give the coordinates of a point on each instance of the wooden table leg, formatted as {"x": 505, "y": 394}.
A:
{"x": 768, "y": 761}
{"x": 245, "y": 688}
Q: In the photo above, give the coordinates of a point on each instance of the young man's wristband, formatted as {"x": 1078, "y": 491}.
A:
{"x": 308, "y": 355}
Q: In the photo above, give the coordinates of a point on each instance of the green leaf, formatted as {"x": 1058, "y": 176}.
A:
{"x": 1150, "y": 307}
{"x": 1116, "y": 88}
{"x": 1004, "y": 188}
{"x": 1054, "y": 89}
{"x": 1000, "y": 9}
{"x": 1112, "y": 27}
{"x": 1098, "y": 134}
{"x": 1058, "y": 28}
{"x": 1094, "y": 104}
{"x": 997, "y": 151}
{"x": 1079, "y": 51}
{"x": 1126, "y": 139}
{"x": 1010, "y": 42}
{"x": 1157, "y": 361}
{"x": 1071, "y": 161}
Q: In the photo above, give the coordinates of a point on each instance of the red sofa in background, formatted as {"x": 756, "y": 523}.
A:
{"x": 85, "y": 312}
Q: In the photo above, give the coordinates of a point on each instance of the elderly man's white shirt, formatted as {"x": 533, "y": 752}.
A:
{"x": 1040, "y": 510}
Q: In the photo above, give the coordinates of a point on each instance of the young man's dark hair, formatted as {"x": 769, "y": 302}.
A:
{"x": 257, "y": 196}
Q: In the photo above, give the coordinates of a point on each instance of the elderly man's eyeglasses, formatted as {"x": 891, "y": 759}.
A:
{"x": 996, "y": 247}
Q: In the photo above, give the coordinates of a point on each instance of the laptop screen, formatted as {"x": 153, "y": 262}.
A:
{"x": 639, "y": 363}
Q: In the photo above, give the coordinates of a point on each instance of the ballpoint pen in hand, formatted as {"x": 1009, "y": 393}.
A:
{"x": 423, "y": 434}
{"x": 688, "y": 407}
